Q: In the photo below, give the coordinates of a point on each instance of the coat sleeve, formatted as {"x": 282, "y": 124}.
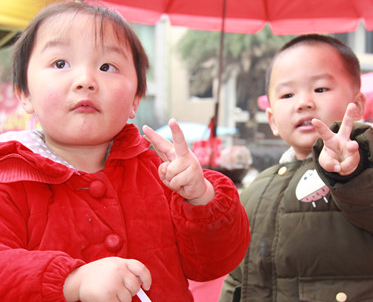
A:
{"x": 212, "y": 238}
{"x": 25, "y": 272}
{"x": 353, "y": 195}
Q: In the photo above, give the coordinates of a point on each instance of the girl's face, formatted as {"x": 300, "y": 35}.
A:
{"x": 82, "y": 82}
{"x": 309, "y": 81}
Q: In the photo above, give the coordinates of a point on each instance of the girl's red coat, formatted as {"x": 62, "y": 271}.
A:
{"x": 53, "y": 219}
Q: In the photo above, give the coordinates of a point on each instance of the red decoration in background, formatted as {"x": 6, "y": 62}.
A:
{"x": 208, "y": 150}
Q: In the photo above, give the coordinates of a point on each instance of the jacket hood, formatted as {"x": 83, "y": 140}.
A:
{"x": 20, "y": 161}
{"x": 128, "y": 143}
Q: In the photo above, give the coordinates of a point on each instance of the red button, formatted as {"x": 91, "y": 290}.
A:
{"x": 97, "y": 189}
{"x": 113, "y": 243}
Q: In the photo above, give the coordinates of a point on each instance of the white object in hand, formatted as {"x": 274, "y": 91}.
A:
{"x": 142, "y": 296}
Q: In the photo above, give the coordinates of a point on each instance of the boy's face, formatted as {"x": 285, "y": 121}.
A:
{"x": 82, "y": 86}
{"x": 308, "y": 81}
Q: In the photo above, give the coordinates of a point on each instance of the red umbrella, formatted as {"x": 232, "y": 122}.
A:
{"x": 250, "y": 16}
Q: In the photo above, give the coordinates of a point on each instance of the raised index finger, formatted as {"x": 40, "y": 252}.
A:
{"x": 180, "y": 144}
{"x": 324, "y": 132}
{"x": 162, "y": 146}
{"x": 348, "y": 121}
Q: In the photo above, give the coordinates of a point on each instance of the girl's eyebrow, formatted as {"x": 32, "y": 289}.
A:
{"x": 109, "y": 48}
{"x": 116, "y": 49}
{"x": 52, "y": 44}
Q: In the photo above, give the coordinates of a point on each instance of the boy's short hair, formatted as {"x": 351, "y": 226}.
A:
{"x": 25, "y": 43}
{"x": 348, "y": 57}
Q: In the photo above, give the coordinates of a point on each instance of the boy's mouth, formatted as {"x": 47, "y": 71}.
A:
{"x": 305, "y": 123}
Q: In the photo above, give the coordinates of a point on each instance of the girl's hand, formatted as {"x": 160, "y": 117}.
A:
{"x": 111, "y": 279}
{"x": 182, "y": 171}
{"x": 339, "y": 154}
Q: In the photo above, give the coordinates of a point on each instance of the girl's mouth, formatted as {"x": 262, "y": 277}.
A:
{"x": 85, "y": 107}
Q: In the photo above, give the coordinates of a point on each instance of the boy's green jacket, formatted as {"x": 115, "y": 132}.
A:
{"x": 309, "y": 242}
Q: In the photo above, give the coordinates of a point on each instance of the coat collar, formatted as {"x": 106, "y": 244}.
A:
{"x": 25, "y": 156}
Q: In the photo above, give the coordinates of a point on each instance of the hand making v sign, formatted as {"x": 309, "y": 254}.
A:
{"x": 181, "y": 172}
{"x": 340, "y": 154}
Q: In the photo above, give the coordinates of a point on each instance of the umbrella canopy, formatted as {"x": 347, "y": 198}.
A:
{"x": 284, "y": 16}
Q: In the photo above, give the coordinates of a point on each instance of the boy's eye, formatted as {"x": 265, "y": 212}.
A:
{"x": 108, "y": 67}
{"x": 318, "y": 90}
{"x": 287, "y": 95}
{"x": 60, "y": 64}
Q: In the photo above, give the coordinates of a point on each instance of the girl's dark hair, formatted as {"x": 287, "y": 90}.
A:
{"x": 25, "y": 43}
{"x": 349, "y": 59}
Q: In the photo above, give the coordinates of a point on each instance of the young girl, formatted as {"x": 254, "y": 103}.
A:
{"x": 88, "y": 212}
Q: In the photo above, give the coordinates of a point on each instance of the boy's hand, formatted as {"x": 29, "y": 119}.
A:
{"x": 182, "y": 171}
{"x": 339, "y": 154}
{"x": 107, "y": 280}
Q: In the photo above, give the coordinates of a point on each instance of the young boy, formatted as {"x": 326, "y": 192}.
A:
{"x": 311, "y": 215}
{"x": 87, "y": 211}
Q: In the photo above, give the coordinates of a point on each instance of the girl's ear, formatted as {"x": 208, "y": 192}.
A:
{"x": 360, "y": 101}
{"x": 271, "y": 121}
{"x": 25, "y": 100}
{"x": 134, "y": 106}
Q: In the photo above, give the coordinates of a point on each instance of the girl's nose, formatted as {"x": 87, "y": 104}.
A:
{"x": 82, "y": 86}
{"x": 85, "y": 80}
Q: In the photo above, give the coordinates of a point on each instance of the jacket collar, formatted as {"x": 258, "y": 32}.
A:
{"x": 290, "y": 156}
{"x": 128, "y": 143}
{"x": 25, "y": 156}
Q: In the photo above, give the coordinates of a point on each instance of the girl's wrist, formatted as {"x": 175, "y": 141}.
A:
{"x": 70, "y": 288}
{"x": 207, "y": 196}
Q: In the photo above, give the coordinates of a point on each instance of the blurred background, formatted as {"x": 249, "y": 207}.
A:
{"x": 208, "y": 60}
{"x": 189, "y": 70}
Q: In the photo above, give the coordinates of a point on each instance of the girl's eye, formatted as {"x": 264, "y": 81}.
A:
{"x": 108, "y": 67}
{"x": 319, "y": 90}
{"x": 60, "y": 64}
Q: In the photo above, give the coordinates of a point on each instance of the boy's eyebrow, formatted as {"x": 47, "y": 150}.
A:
{"x": 282, "y": 84}
{"x": 323, "y": 76}
{"x": 326, "y": 76}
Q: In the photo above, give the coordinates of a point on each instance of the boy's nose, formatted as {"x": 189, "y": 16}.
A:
{"x": 305, "y": 101}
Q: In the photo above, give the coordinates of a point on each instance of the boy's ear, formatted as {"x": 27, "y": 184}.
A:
{"x": 360, "y": 101}
{"x": 25, "y": 100}
{"x": 271, "y": 121}
{"x": 135, "y": 106}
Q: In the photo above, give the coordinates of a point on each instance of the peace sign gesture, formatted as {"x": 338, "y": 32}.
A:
{"x": 181, "y": 171}
{"x": 339, "y": 154}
